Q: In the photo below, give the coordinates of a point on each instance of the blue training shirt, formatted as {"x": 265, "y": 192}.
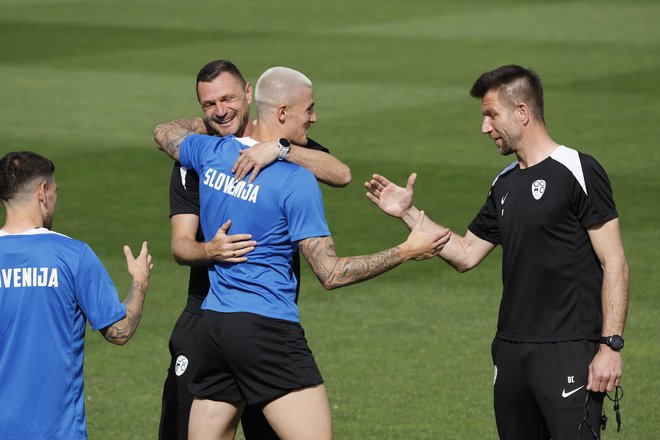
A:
{"x": 50, "y": 285}
{"x": 282, "y": 206}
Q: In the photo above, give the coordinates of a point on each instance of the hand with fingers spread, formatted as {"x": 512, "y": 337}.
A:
{"x": 229, "y": 248}
{"x": 254, "y": 159}
{"x": 425, "y": 240}
{"x": 139, "y": 268}
{"x": 605, "y": 370}
{"x": 121, "y": 331}
{"x": 389, "y": 197}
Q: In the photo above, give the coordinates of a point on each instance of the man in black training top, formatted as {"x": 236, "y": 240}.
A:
{"x": 564, "y": 272}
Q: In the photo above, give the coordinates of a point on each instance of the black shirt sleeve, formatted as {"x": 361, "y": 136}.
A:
{"x": 485, "y": 225}
{"x": 313, "y": 145}
{"x": 184, "y": 191}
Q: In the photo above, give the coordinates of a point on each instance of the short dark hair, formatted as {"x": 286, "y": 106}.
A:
{"x": 19, "y": 168}
{"x": 517, "y": 84}
{"x": 213, "y": 69}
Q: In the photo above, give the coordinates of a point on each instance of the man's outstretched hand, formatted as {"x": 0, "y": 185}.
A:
{"x": 389, "y": 197}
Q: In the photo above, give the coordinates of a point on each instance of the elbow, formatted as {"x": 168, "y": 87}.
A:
{"x": 345, "y": 177}
{"x": 462, "y": 267}
{"x": 329, "y": 284}
{"x": 157, "y": 136}
{"x": 115, "y": 335}
{"x": 178, "y": 258}
{"x": 340, "y": 179}
{"x": 180, "y": 261}
{"x": 178, "y": 252}
{"x": 119, "y": 341}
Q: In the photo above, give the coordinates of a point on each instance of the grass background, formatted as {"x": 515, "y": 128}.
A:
{"x": 407, "y": 355}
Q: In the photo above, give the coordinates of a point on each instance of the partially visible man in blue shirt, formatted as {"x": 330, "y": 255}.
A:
{"x": 50, "y": 285}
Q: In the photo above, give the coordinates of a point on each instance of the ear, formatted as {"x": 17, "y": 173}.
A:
{"x": 248, "y": 92}
{"x": 281, "y": 113}
{"x": 42, "y": 189}
{"x": 523, "y": 113}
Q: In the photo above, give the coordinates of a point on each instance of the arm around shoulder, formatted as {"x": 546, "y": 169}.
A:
{"x": 169, "y": 136}
{"x": 325, "y": 167}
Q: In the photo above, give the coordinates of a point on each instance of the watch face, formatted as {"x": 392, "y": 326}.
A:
{"x": 616, "y": 342}
{"x": 284, "y": 142}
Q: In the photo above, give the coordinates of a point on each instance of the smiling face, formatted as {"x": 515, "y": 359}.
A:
{"x": 226, "y": 103}
{"x": 500, "y": 122}
{"x": 300, "y": 116}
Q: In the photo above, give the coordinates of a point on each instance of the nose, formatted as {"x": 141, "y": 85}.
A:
{"x": 312, "y": 118}
{"x": 220, "y": 108}
{"x": 485, "y": 126}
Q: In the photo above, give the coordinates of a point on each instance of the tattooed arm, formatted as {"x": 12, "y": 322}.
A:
{"x": 333, "y": 271}
{"x": 169, "y": 136}
{"x": 121, "y": 331}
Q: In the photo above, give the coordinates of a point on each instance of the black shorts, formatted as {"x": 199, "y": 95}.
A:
{"x": 248, "y": 357}
{"x": 177, "y": 400}
{"x": 540, "y": 389}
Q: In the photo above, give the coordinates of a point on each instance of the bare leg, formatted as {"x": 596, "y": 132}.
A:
{"x": 214, "y": 420}
{"x": 301, "y": 415}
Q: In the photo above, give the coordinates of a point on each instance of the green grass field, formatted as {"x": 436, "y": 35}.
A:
{"x": 405, "y": 356}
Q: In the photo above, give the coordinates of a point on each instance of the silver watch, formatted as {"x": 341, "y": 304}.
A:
{"x": 285, "y": 146}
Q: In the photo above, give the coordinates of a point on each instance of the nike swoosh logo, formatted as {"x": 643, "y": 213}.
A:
{"x": 564, "y": 394}
{"x": 504, "y": 198}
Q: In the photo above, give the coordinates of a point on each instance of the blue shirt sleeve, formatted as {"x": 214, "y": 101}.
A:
{"x": 302, "y": 203}
{"x": 95, "y": 292}
{"x": 192, "y": 147}
{"x": 196, "y": 149}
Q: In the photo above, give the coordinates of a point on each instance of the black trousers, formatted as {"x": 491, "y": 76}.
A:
{"x": 540, "y": 389}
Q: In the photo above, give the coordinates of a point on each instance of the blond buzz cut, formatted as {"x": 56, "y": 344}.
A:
{"x": 279, "y": 86}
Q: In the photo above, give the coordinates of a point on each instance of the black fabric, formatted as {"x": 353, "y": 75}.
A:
{"x": 551, "y": 275}
{"x": 177, "y": 400}
{"x": 540, "y": 388}
{"x": 248, "y": 357}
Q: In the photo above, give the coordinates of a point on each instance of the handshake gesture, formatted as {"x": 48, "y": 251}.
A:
{"x": 426, "y": 238}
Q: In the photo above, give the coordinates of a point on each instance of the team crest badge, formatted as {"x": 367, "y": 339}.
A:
{"x": 538, "y": 188}
{"x": 180, "y": 365}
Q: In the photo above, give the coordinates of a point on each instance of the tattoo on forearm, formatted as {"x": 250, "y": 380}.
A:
{"x": 121, "y": 331}
{"x": 335, "y": 271}
{"x": 169, "y": 136}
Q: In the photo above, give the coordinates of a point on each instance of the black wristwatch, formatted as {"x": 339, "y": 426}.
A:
{"x": 285, "y": 146}
{"x": 615, "y": 342}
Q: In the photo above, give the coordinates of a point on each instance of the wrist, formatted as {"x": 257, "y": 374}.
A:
{"x": 141, "y": 285}
{"x": 284, "y": 148}
{"x": 410, "y": 215}
{"x": 205, "y": 251}
{"x": 614, "y": 342}
{"x": 405, "y": 251}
